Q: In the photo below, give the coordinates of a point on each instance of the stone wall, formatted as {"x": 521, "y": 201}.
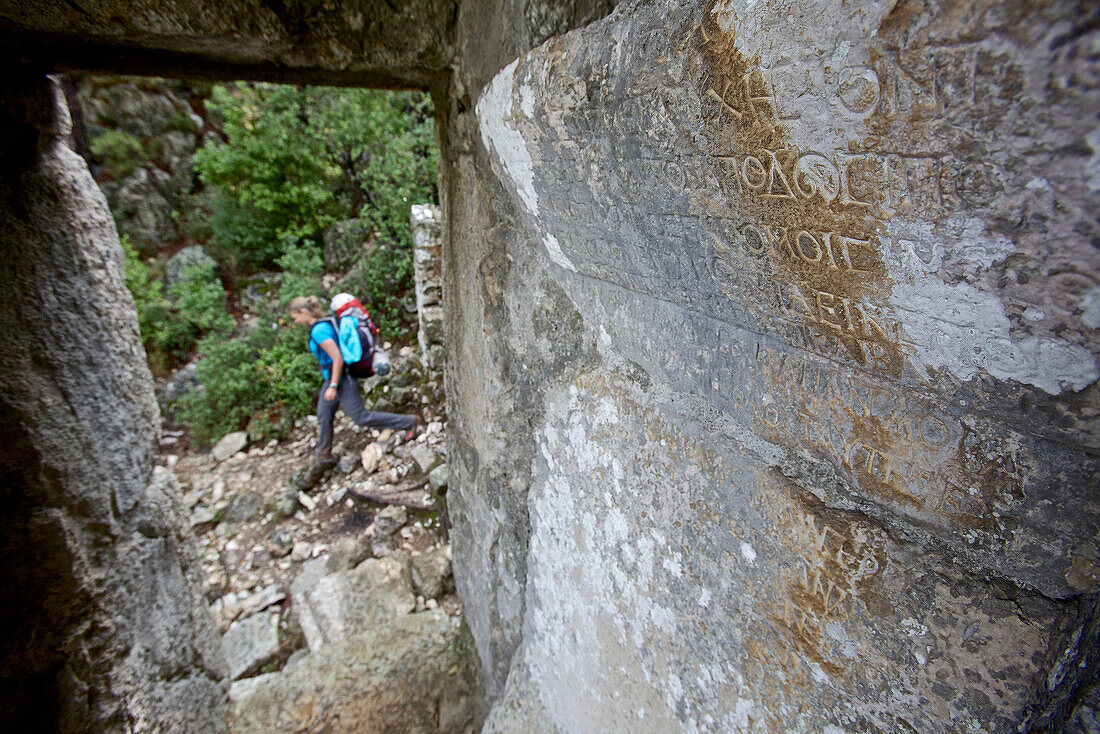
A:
{"x": 102, "y": 626}
{"x": 427, "y": 249}
{"x": 810, "y": 352}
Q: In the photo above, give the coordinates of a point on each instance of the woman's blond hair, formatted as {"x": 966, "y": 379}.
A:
{"x": 312, "y": 304}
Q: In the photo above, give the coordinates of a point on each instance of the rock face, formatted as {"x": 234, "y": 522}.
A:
{"x": 103, "y": 626}
{"x": 352, "y": 43}
{"x": 141, "y": 135}
{"x": 251, "y": 642}
{"x": 808, "y": 360}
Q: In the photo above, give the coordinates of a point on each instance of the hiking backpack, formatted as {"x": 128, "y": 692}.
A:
{"x": 358, "y": 338}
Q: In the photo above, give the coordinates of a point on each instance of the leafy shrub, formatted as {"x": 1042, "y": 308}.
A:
{"x": 381, "y": 280}
{"x": 199, "y": 299}
{"x": 272, "y": 171}
{"x": 302, "y": 268}
{"x": 169, "y": 331}
{"x": 291, "y": 372}
{"x": 119, "y": 152}
{"x": 152, "y": 308}
{"x": 231, "y": 391}
{"x": 298, "y": 159}
{"x": 268, "y": 374}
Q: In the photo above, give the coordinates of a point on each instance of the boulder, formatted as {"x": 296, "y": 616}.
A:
{"x": 142, "y": 211}
{"x": 182, "y": 383}
{"x": 230, "y": 444}
{"x": 371, "y": 457}
{"x": 425, "y": 457}
{"x": 142, "y": 113}
{"x": 439, "y": 477}
{"x": 431, "y": 573}
{"x": 302, "y": 551}
{"x": 251, "y": 642}
{"x": 417, "y": 673}
{"x": 307, "y": 477}
{"x": 343, "y": 604}
{"x": 188, "y": 257}
{"x": 312, "y": 572}
{"x": 347, "y": 464}
{"x": 346, "y": 553}
{"x": 262, "y": 599}
{"x": 256, "y": 290}
{"x": 244, "y": 506}
{"x": 389, "y": 520}
{"x": 279, "y": 543}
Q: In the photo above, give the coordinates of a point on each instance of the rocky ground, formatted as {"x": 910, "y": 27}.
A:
{"x": 295, "y": 575}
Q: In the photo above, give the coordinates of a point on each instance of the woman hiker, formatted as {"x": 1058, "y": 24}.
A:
{"x": 338, "y": 388}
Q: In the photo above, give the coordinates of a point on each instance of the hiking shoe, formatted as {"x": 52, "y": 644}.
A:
{"x": 307, "y": 478}
{"x": 411, "y": 433}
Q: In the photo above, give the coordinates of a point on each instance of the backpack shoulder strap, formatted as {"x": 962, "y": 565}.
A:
{"x": 328, "y": 320}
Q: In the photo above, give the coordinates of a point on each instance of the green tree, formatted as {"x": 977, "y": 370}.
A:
{"x": 385, "y": 146}
{"x": 297, "y": 159}
{"x": 271, "y": 179}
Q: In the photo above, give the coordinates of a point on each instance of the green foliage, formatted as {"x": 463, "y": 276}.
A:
{"x": 231, "y": 391}
{"x": 386, "y": 144}
{"x": 170, "y": 330}
{"x": 298, "y": 159}
{"x": 152, "y": 307}
{"x": 291, "y": 372}
{"x": 199, "y": 299}
{"x": 269, "y": 374}
{"x": 302, "y": 270}
{"x": 118, "y": 151}
{"x": 382, "y": 280}
{"x": 272, "y": 172}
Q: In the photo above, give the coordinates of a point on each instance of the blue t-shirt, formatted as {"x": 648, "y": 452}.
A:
{"x": 320, "y": 332}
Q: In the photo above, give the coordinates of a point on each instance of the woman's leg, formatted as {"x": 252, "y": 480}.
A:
{"x": 352, "y": 403}
{"x": 326, "y": 412}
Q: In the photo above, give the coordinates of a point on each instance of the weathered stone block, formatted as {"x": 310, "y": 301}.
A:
{"x": 805, "y": 403}
{"x": 417, "y": 673}
{"x": 251, "y": 642}
{"x": 346, "y": 603}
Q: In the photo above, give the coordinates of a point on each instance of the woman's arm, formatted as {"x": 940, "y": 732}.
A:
{"x": 333, "y": 351}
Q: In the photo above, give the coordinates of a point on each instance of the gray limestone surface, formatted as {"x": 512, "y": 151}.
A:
{"x": 250, "y": 642}
{"x": 414, "y": 674}
{"x": 363, "y": 42}
{"x": 348, "y": 602}
{"x": 104, "y": 629}
{"x": 427, "y": 248}
{"x": 821, "y": 277}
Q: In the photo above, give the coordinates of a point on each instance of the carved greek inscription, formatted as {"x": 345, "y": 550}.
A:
{"x": 837, "y": 562}
{"x": 744, "y": 99}
{"x": 854, "y": 180}
{"x": 895, "y": 449}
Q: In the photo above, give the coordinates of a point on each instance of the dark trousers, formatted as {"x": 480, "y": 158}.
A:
{"x": 347, "y": 397}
